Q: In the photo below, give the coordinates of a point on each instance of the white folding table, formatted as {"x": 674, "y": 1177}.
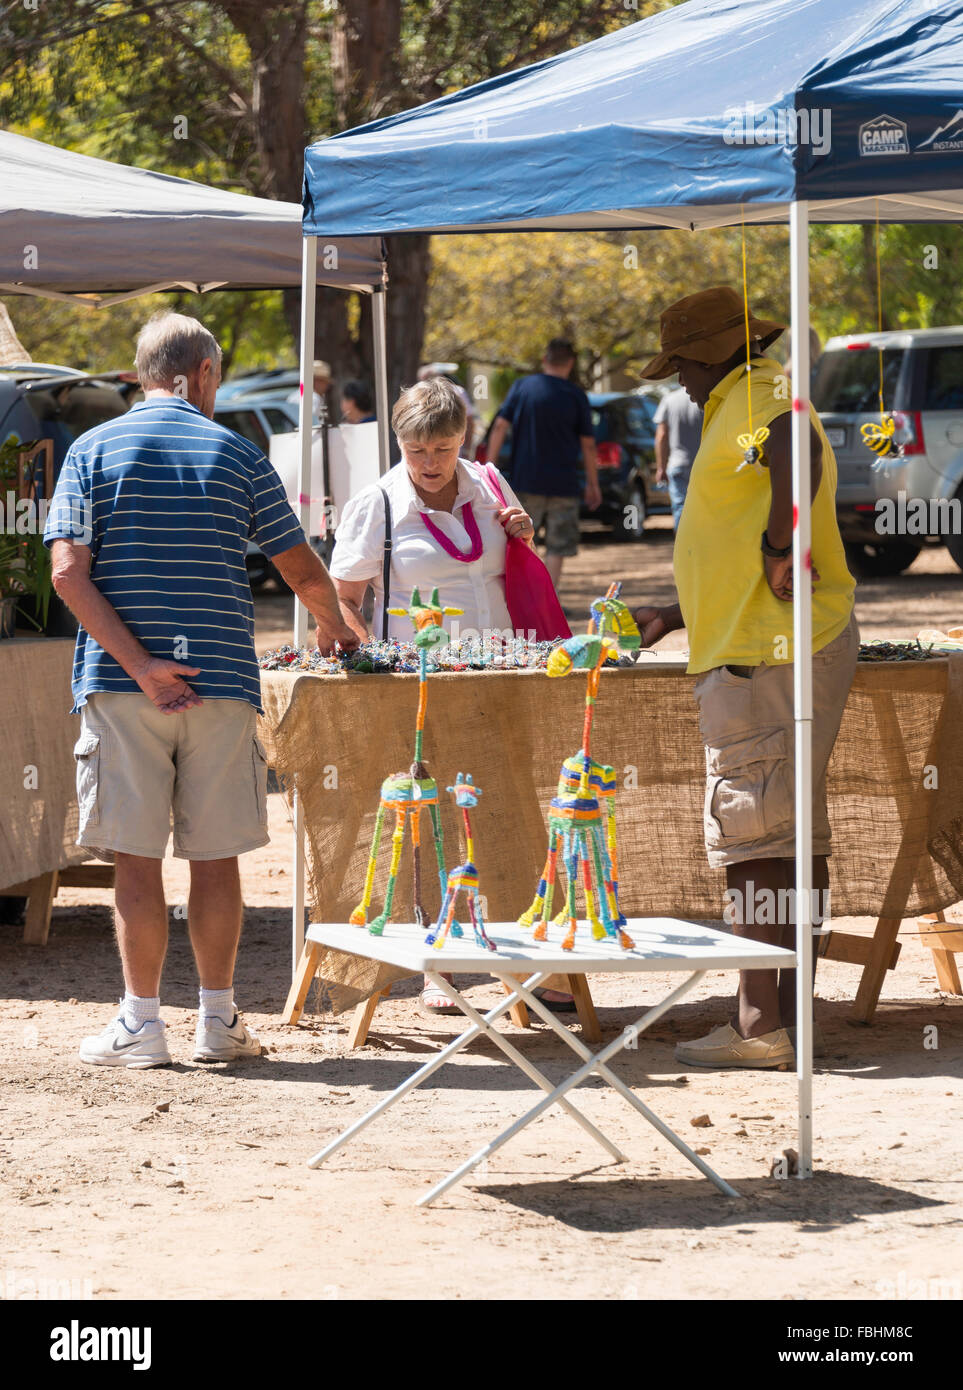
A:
{"x": 662, "y": 944}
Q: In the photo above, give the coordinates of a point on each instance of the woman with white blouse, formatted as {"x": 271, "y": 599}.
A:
{"x": 448, "y": 531}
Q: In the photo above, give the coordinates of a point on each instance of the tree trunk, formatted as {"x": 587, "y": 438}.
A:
{"x": 880, "y": 319}
{"x": 276, "y": 36}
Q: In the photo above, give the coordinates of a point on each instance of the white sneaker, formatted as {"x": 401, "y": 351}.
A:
{"x": 217, "y": 1041}
{"x": 118, "y": 1046}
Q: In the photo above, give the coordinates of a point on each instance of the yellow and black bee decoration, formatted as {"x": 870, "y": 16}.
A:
{"x": 879, "y": 435}
{"x": 752, "y": 448}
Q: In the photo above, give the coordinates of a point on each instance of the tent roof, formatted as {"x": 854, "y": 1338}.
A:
{"x": 663, "y": 124}
{"x": 108, "y": 228}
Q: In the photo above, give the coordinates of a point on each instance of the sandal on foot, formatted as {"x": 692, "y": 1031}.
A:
{"x": 565, "y": 1005}
{"x": 433, "y": 1002}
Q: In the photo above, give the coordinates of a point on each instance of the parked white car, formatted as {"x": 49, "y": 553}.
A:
{"x": 889, "y": 512}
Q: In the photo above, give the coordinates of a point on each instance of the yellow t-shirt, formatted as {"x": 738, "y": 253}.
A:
{"x": 731, "y": 614}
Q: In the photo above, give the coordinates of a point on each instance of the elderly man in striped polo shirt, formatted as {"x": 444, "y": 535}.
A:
{"x": 148, "y": 530}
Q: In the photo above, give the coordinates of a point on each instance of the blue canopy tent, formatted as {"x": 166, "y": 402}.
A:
{"x": 701, "y": 116}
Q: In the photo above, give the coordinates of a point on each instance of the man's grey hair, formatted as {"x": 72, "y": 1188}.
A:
{"x": 171, "y": 346}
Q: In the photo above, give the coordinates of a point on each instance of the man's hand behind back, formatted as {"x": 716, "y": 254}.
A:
{"x": 164, "y": 685}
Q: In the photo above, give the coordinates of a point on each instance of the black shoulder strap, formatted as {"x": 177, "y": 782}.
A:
{"x": 386, "y": 571}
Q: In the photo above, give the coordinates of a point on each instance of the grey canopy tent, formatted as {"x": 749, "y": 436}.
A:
{"x": 72, "y": 225}
{"x": 704, "y": 115}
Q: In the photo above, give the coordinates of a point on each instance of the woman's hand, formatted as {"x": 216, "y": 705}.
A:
{"x": 517, "y": 523}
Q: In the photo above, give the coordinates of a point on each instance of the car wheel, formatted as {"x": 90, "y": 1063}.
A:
{"x": 953, "y": 540}
{"x": 629, "y": 524}
{"x": 868, "y": 561}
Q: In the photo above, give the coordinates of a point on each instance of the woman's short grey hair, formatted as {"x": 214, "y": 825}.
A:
{"x": 171, "y": 346}
{"x": 429, "y": 410}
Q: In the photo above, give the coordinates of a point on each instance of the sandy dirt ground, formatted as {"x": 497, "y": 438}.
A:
{"x": 191, "y": 1182}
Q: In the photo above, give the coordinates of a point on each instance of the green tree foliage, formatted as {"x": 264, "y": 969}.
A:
{"x": 256, "y": 79}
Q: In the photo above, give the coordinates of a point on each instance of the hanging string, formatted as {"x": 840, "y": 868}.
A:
{"x": 880, "y": 437}
{"x": 879, "y": 316}
{"x": 745, "y": 311}
{"x": 752, "y": 442}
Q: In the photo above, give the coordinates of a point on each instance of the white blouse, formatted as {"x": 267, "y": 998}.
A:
{"x": 417, "y": 559}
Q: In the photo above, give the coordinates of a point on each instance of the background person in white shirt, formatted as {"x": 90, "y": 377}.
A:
{"x": 448, "y": 532}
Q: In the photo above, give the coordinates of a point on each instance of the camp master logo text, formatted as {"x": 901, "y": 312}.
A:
{"x": 883, "y": 135}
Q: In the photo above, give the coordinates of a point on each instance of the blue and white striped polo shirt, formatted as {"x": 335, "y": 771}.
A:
{"x": 167, "y": 499}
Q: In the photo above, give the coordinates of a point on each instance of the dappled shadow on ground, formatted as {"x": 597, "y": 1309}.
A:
{"x": 827, "y": 1201}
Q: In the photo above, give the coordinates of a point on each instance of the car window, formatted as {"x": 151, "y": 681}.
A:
{"x": 847, "y": 380}
{"x": 246, "y": 423}
{"x": 602, "y": 424}
{"x": 66, "y": 412}
{"x": 639, "y": 418}
{"x": 944, "y": 379}
{"x": 278, "y": 421}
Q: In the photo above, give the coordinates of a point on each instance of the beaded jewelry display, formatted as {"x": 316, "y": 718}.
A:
{"x": 580, "y": 833}
{"x": 407, "y": 793}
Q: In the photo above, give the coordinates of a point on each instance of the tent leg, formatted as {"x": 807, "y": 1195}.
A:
{"x": 309, "y": 275}
{"x": 379, "y": 325}
{"x": 802, "y": 670}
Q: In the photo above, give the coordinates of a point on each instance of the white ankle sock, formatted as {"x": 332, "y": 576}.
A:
{"x": 137, "y": 1011}
{"x": 219, "y": 1002}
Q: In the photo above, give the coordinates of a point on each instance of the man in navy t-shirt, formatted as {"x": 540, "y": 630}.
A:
{"x": 551, "y": 424}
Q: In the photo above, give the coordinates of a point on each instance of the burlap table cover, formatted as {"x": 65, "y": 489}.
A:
{"x": 38, "y": 825}
{"x": 895, "y": 787}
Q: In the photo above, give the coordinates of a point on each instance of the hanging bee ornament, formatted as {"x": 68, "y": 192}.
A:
{"x": 880, "y": 437}
{"x": 752, "y": 447}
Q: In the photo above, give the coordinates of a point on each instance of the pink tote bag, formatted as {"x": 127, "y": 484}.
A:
{"x": 530, "y": 595}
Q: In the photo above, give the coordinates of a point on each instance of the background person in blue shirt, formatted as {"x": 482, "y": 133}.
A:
{"x": 148, "y": 530}
{"x": 551, "y": 424}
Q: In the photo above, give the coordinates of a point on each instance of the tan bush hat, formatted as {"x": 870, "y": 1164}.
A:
{"x": 708, "y": 327}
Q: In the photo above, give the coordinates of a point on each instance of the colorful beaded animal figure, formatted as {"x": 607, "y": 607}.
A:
{"x": 407, "y": 793}
{"x": 463, "y": 878}
{"x": 575, "y": 817}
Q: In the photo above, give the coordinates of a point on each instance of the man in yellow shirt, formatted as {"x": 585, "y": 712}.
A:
{"x": 734, "y": 576}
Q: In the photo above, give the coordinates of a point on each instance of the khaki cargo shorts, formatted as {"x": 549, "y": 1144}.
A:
{"x": 138, "y": 769}
{"x": 561, "y": 517}
{"x": 748, "y": 729}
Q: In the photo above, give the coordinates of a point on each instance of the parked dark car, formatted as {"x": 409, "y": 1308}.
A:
{"x": 624, "y": 430}
{"x": 625, "y": 446}
{"x": 43, "y": 401}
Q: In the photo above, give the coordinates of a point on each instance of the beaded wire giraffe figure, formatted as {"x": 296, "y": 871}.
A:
{"x": 407, "y": 793}
{"x": 580, "y": 832}
{"x": 463, "y": 878}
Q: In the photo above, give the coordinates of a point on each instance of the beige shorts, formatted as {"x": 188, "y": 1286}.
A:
{"x": 561, "y": 517}
{"x": 137, "y": 769}
{"x": 748, "y": 729}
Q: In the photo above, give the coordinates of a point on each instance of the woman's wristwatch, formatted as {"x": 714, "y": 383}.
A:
{"x": 772, "y": 551}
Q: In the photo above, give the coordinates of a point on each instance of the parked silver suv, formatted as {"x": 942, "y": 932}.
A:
{"x": 887, "y": 514}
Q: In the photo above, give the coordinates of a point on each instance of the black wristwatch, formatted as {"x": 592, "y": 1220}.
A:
{"x": 771, "y": 550}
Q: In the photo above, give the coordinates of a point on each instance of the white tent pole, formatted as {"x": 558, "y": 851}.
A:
{"x": 802, "y": 670}
{"x": 379, "y": 327}
{"x": 309, "y": 272}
